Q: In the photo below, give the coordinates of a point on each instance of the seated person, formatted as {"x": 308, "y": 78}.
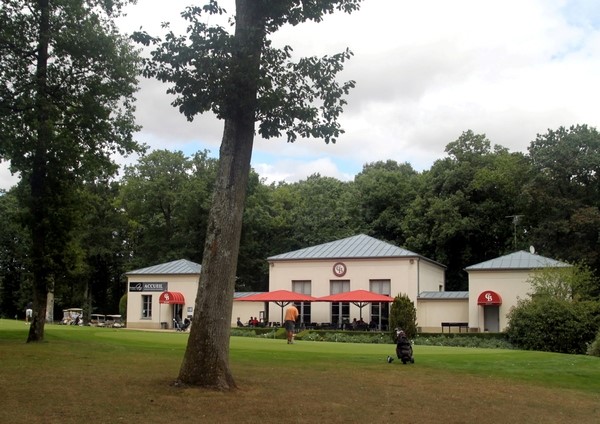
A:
{"x": 239, "y": 322}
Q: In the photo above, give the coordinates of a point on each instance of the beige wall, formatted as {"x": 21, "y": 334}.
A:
{"x": 406, "y": 275}
{"x": 188, "y": 286}
{"x": 510, "y": 285}
{"x": 432, "y": 312}
{"x": 245, "y": 310}
{"x": 185, "y": 284}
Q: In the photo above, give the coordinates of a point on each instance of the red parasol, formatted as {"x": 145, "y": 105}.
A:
{"x": 280, "y": 297}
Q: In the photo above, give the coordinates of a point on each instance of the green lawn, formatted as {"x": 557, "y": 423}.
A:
{"x": 100, "y": 375}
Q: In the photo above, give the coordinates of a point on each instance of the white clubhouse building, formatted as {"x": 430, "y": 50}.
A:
{"x": 160, "y": 293}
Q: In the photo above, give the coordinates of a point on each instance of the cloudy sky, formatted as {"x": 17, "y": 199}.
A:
{"x": 425, "y": 71}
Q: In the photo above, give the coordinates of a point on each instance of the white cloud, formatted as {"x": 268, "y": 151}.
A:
{"x": 425, "y": 71}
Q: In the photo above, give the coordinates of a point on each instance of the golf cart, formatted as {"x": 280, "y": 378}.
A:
{"x": 72, "y": 316}
{"x": 98, "y": 320}
{"x": 114, "y": 321}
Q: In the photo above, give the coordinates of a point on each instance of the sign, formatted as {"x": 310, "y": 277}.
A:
{"x": 148, "y": 287}
{"x": 339, "y": 269}
{"x": 489, "y": 297}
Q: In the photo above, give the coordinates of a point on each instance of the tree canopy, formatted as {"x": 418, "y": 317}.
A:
{"x": 67, "y": 80}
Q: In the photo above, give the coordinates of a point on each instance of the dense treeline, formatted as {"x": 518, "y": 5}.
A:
{"x": 478, "y": 202}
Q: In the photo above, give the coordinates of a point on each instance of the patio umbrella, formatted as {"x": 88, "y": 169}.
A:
{"x": 280, "y": 297}
{"x": 358, "y": 297}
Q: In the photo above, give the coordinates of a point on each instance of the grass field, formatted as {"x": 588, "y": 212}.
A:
{"x": 98, "y": 375}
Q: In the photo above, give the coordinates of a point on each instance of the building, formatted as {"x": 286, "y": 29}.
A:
{"x": 495, "y": 286}
{"x": 353, "y": 263}
{"x": 160, "y": 293}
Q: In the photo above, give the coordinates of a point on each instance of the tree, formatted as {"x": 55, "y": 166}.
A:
{"x": 67, "y": 81}
{"x": 563, "y": 198}
{"x": 15, "y": 290}
{"x": 403, "y": 314}
{"x": 571, "y": 283}
{"x": 321, "y": 211}
{"x": 242, "y": 79}
{"x": 384, "y": 193}
{"x": 459, "y": 215}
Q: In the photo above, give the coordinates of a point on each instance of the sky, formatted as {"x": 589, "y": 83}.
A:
{"x": 425, "y": 72}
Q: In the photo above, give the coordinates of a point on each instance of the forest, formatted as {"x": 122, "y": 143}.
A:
{"x": 478, "y": 202}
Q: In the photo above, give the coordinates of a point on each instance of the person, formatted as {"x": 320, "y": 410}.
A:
{"x": 291, "y": 315}
{"x": 28, "y": 313}
{"x": 372, "y": 325}
{"x": 239, "y": 322}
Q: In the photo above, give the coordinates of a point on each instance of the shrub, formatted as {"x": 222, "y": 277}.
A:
{"x": 594, "y": 347}
{"x": 476, "y": 340}
{"x": 403, "y": 314}
{"x": 123, "y": 307}
{"x": 553, "y": 325}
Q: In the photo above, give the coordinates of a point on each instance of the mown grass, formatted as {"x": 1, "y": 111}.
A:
{"x": 83, "y": 374}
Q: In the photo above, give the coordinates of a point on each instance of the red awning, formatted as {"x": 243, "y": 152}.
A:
{"x": 489, "y": 297}
{"x": 171, "y": 298}
{"x": 284, "y": 296}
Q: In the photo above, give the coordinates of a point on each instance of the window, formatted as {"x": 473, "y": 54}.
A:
{"x": 380, "y": 312}
{"x": 304, "y": 287}
{"x": 340, "y": 311}
{"x": 147, "y": 306}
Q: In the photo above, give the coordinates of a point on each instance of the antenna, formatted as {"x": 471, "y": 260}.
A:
{"x": 515, "y": 221}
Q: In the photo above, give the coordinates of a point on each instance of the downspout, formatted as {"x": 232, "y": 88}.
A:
{"x": 418, "y": 278}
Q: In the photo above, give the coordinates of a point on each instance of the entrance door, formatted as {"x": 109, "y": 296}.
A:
{"x": 178, "y": 312}
{"x": 491, "y": 318}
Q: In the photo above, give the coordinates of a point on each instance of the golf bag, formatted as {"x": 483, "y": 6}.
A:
{"x": 181, "y": 326}
{"x": 404, "y": 350}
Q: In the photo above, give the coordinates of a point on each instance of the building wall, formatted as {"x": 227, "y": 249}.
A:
{"x": 406, "y": 275}
{"x": 245, "y": 310}
{"x": 510, "y": 285}
{"x": 184, "y": 284}
{"x": 431, "y": 313}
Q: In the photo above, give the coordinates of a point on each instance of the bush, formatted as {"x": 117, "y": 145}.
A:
{"x": 498, "y": 341}
{"x": 594, "y": 347}
{"x": 403, "y": 314}
{"x": 123, "y": 307}
{"x": 344, "y": 336}
{"x": 553, "y": 325}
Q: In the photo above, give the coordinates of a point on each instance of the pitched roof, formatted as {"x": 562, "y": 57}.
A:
{"x": 359, "y": 246}
{"x": 517, "y": 260}
{"x": 182, "y": 266}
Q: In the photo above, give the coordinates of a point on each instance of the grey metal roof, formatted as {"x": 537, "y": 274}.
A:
{"x": 517, "y": 260}
{"x": 182, "y": 266}
{"x": 239, "y": 295}
{"x": 444, "y": 295}
{"x": 359, "y": 246}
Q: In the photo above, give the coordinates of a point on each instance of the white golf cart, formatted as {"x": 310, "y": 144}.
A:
{"x": 98, "y": 320}
{"x": 114, "y": 321}
{"x": 72, "y": 316}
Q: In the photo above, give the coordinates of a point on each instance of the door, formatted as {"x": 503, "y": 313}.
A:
{"x": 491, "y": 318}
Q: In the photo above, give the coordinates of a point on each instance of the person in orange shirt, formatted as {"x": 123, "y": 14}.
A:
{"x": 291, "y": 314}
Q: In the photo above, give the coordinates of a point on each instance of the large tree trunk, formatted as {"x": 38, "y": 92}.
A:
{"x": 206, "y": 360}
{"x": 38, "y": 183}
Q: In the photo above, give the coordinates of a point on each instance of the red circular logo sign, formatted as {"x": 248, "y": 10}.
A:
{"x": 339, "y": 269}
